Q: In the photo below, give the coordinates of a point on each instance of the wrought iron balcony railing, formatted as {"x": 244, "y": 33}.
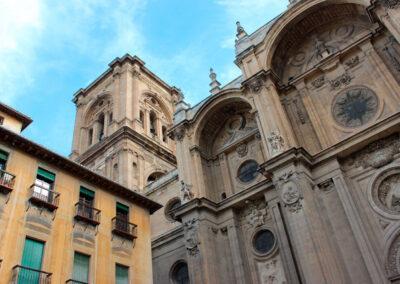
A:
{"x": 6, "y": 181}
{"x": 71, "y": 281}
{"x": 22, "y": 274}
{"x": 123, "y": 228}
{"x": 86, "y": 213}
{"x": 44, "y": 197}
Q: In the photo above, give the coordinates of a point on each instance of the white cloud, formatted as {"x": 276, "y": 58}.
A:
{"x": 20, "y": 30}
{"x": 99, "y": 29}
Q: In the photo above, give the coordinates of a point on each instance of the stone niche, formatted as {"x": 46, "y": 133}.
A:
{"x": 229, "y": 140}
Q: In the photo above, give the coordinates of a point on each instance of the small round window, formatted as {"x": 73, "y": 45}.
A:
{"x": 263, "y": 241}
{"x": 170, "y": 207}
{"x": 248, "y": 171}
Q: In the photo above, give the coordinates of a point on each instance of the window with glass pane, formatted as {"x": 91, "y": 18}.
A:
{"x": 121, "y": 274}
{"x": 86, "y": 198}
{"x": 81, "y": 267}
{"x": 122, "y": 217}
{"x": 44, "y": 184}
{"x": 3, "y": 159}
{"x": 31, "y": 261}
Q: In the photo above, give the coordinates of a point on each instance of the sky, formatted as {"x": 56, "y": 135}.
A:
{"x": 49, "y": 49}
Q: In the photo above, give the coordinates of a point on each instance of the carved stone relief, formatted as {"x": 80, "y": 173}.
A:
{"x": 376, "y": 154}
{"x": 319, "y": 82}
{"x": 254, "y": 214}
{"x": 355, "y": 107}
{"x": 387, "y": 194}
{"x": 235, "y": 127}
{"x": 341, "y": 81}
{"x": 393, "y": 259}
{"x": 242, "y": 150}
{"x": 290, "y": 193}
{"x": 352, "y": 61}
{"x": 271, "y": 271}
{"x": 191, "y": 236}
{"x": 391, "y": 4}
{"x": 276, "y": 142}
{"x": 392, "y": 53}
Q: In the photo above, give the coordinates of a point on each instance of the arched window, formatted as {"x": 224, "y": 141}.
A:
{"x": 154, "y": 176}
{"x": 153, "y": 126}
{"x": 164, "y": 134}
{"x": 170, "y": 207}
{"x": 141, "y": 117}
{"x": 90, "y": 137}
{"x": 101, "y": 127}
{"x": 115, "y": 172}
{"x": 180, "y": 273}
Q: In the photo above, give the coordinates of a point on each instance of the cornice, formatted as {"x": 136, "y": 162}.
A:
{"x": 126, "y": 132}
{"x": 16, "y": 141}
{"x": 16, "y": 114}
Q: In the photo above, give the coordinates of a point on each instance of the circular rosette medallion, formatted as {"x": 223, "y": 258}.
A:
{"x": 290, "y": 193}
{"x": 355, "y": 107}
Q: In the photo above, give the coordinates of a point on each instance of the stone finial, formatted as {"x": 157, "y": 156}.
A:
{"x": 214, "y": 85}
{"x": 240, "y": 32}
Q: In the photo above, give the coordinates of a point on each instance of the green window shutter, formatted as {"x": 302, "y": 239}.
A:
{"x": 86, "y": 192}
{"x": 81, "y": 267}
{"x": 121, "y": 274}
{"x": 31, "y": 257}
{"x": 122, "y": 208}
{"x": 3, "y": 155}
{"x": 46, "y": 174}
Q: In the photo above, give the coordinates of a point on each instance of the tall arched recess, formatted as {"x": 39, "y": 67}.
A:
{"x": 227, "y": 138}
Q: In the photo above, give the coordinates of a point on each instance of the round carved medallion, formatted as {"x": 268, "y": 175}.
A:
{"x": 387, "y": 194}
{"x": 355, "y": 107}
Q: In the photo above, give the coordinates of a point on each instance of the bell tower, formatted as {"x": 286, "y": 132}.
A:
{"x": 121, "y": 124}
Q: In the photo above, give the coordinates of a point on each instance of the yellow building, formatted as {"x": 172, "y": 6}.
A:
{"x": 61, "y": 222}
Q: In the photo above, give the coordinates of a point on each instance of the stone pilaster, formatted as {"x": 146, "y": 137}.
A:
{"x": 275, "y": 126}
{"x": 388, "y": 12}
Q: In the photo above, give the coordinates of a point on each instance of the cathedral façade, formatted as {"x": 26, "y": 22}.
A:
{"x": 288, "y": 174}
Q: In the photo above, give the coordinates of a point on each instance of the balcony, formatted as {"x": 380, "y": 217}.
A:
{"x": 86, "y": 213}
{"x": 44, "y": 197}
{"x": 6, "y": 182}
{"x": 123, "y": 228}
{"x": 71, "y": 281}
{"x": 22, "y": 274}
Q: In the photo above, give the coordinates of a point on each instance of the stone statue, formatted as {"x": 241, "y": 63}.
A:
{"x": 186, "y": 194}
{"x": 321, "y": 49}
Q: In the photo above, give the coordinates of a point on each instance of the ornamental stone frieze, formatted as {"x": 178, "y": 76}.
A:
{"x": 255, "y": 213}
{"x": 376, "y": 154}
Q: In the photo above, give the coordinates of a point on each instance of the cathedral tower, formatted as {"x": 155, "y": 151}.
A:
{"x": 121, "y": 124}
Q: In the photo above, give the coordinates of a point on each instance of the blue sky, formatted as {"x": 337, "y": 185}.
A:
{"x": 50, "y": 49}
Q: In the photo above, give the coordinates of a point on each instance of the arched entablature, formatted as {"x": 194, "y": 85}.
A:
{"x": 211, "y": 106}
{"x": 311, "y": 31}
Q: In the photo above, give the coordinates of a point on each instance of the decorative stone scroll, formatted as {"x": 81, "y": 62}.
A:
{"x": 342, "y": 80}
{"x": 191, "y": 236}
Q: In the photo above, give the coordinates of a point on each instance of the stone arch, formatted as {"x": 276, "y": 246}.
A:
{"x": 158, "y": 100}
{"x": 299, "y": 24}
{"x": 210, "y": 107}
{"x": 94, "y": 106}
